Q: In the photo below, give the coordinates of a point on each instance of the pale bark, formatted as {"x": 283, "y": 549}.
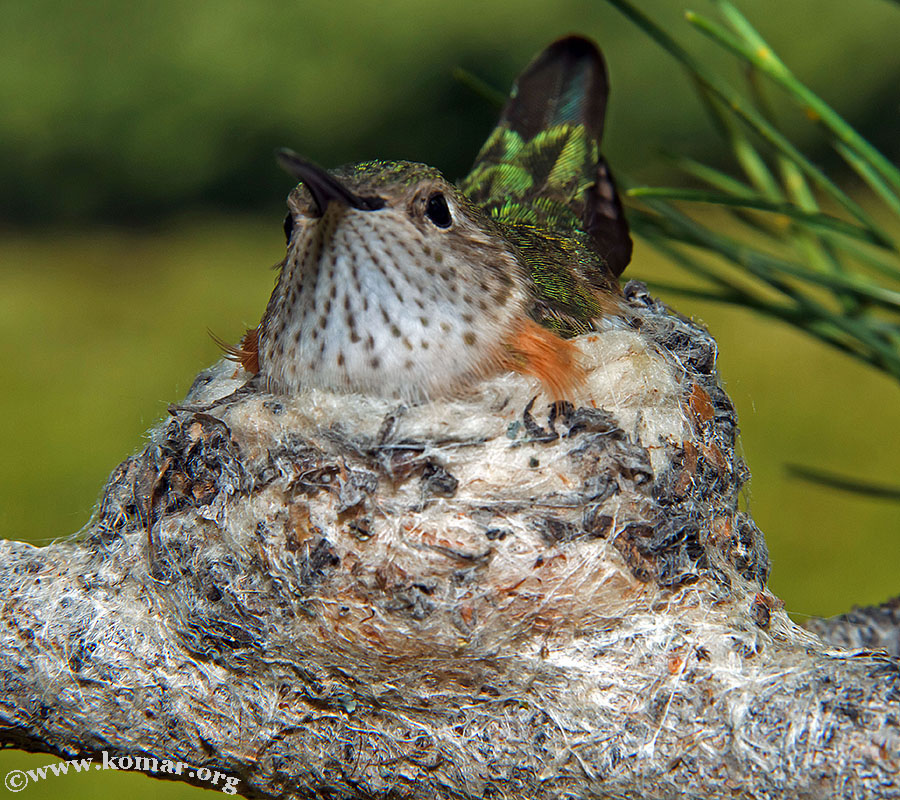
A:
{"x": 484, "y": 597}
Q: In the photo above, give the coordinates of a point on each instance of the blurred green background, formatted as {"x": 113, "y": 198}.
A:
{"x": 140, "y": 205}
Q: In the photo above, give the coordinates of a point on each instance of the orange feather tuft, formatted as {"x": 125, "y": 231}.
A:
{"x": 246, "y": 353}
{"x": 537, "y": 351}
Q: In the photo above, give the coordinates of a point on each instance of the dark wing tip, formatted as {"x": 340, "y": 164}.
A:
{"x": 566, "y": 82}
{"x": 573, "y": 47}
{"x": 604, "y": 219}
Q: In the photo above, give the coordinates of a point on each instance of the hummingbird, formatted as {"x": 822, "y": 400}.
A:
{"x": 398, "y": 283}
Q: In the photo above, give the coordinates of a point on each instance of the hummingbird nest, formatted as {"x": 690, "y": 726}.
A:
{"x": 406, "y": 547}
{"x": 365, "y": 563}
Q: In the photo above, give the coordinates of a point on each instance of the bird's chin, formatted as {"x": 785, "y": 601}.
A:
{"x": 422, "y": 383}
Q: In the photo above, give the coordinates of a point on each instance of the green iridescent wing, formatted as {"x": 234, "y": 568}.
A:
{"x": 541, "y": 168}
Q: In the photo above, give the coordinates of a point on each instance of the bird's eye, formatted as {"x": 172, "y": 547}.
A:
{"x": 288, "y": 227}
{"x": 438, "y": 211}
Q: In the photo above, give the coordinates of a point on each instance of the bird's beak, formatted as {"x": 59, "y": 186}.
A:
{"x": 323, "y": 186}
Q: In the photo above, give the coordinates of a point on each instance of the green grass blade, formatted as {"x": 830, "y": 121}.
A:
{"x": 817, "y": 250}
{"x": 480, "y": 87}
{"x": 833, "y": 480}
{"x": 712, "y": 176}
{"x": 775, "y": 270}
{"x": 870, "y": 176}
{"x": 801, "y": 318}
{"x": 756, "y": 50}
{"x": 813, "y": 246}
{"x": 772, "y": 271}
{"x": 826, "y": 289}
{"x": 751, "y": 162}
{"x": 813, "y": 219}
{"x": 877, "y": 261}
{"x": 660, "y": 239}
{"x": 736, "y": 103}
